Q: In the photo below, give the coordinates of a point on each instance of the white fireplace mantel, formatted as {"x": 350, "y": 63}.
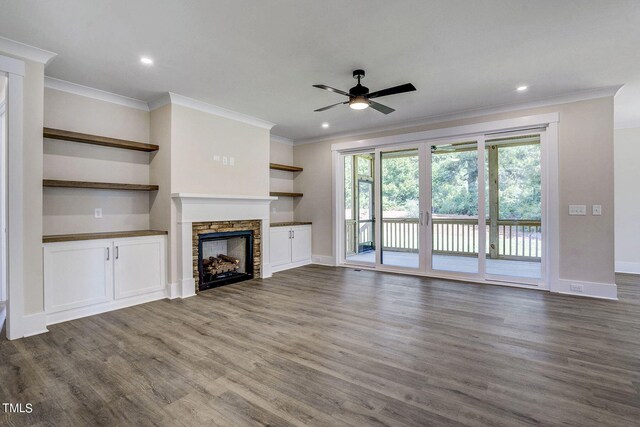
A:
{"x": 193, "y": 207}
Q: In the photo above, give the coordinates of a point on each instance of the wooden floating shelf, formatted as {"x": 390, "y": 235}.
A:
{"x": 103, "y": 235}
{"x": 287, "y": 168}
{"x": 98, "y": 185}
{"x": 84, "y": 138}
{"x": 284, "y": 194}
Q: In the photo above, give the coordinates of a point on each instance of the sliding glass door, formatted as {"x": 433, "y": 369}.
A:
{"x": 359, "y": 202}
{"x": 469, "y": 208}
{"x": 514, "y": 194}
{"x": 454, "y": 201}
{"x": 400, "y": 206}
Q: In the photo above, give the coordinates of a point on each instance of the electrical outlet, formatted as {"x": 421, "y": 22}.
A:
{"x": 576, "y": 287}
{"x": 578, "y": 210}
{"x": 98, "y": 213}
{"x": 596, "y": 210}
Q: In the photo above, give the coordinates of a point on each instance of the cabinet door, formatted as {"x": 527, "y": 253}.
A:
{"x": 301, "y": 244}
{"x": 77, "y": 274}
{"x": 280, "y": 246}
{"x": 139, "y": 266}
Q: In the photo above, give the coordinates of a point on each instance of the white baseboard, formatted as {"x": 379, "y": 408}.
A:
{"x": 591, "y": 289}
{"x": 628, "y": 267}
{"x": 187, "y": 288}
{"x": 34, "y": 324}
{"x": 290, "y": 266}
{"x": 265, "y": 271}
{"x": 77, "y": 313}
{"x": 323, "y": 260}
{"x": 173, "y": 290}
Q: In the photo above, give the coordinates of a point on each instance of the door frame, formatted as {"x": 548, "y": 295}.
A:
{"x": 3, "y": 199}
{"x": 14, "y": 205}
{"x": 549, "y": 176}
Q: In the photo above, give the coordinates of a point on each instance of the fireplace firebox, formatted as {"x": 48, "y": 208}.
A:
{"x": 225, "y": 258}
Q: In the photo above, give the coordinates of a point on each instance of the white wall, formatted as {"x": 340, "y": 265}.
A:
{"x": 282, "y": 209}
{"x": 585, "y": 177}
{"x": 198, "y": 136}
{"x": 627, "y": 199}
{"x": 72, "y": 210}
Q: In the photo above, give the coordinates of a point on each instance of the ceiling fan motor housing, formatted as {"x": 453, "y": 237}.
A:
{"x": 358, "y": 90}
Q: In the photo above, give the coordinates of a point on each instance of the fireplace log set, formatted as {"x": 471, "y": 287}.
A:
{"x": 220, "y": 264}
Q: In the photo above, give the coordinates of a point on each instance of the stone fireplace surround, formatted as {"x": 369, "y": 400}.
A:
{"x": 222, "y": 226}
{"x": 198, "y": 210}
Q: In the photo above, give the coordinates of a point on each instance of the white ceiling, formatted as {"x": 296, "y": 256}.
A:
{"x": 261, "y": 57}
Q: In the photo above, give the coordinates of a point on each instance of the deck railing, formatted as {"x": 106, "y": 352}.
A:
{"x": 515, "y": 239}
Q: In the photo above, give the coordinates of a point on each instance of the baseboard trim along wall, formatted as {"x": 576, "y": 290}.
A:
{"x": 34, "y": 324}
{"x": 323, "y": 260}
{"x": 627, "y": 267}
{"x": 64, "y": 316}
{"x": 586, "y": 289}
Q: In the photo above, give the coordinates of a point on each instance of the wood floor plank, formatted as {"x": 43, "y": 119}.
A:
{"x": 318, "y": 346}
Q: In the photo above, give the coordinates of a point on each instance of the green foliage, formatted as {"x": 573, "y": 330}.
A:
{"x": 400, "y": 184}
{"x": 455, "y": 183}
{"x": 519, "y": 182}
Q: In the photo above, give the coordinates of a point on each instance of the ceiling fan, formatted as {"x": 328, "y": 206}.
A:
{"x": 360, "y": 98}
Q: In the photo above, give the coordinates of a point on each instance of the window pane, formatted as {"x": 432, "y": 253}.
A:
{"x": 519, "y": 182}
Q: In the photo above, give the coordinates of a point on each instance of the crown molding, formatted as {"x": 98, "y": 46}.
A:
{"x": 25, "y": 51}
{"x": 89, "y": 92}
{"x": 160, "y": 101}
{"x": 472, "y": 113}
{"x": 217, "y": 111}
{"x": 281, "y": 139}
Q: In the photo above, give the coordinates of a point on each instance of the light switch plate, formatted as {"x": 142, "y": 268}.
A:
{"x": 98, "y": 213}
{"x": 225, "y": 160}
{"x": 232, "y": 161}
{"x": 577, "y": 210}
{"x": 596, "y": 210}
{"x": 216, "y": 158}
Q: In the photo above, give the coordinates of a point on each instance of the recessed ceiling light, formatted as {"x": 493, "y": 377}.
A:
{"x": 522, "y": 88}
{"x": 325, "y": 125}
{"x": 146, "y": 60}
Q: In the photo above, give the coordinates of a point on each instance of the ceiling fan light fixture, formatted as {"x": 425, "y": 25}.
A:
{"x": 359, "y": 102}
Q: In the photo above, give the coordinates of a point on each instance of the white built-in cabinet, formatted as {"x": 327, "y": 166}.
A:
{"x": 82, "y": 278}
{"x": 289, "y": 247}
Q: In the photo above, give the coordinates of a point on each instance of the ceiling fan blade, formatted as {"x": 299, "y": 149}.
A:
{"x": 331, "y": 106}
{"x": 407, "y": 87}
{"x": 332, "y": 89}
{"x": 382, "y": 108}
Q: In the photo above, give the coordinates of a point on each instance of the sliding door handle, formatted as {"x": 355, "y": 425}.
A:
{"x": 117, "y": 253}
{"x": 107, "y": 254}
{"x": 428, "y": 217}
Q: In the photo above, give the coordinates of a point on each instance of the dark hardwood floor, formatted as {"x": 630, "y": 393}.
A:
{"x": 331, "y": 346}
